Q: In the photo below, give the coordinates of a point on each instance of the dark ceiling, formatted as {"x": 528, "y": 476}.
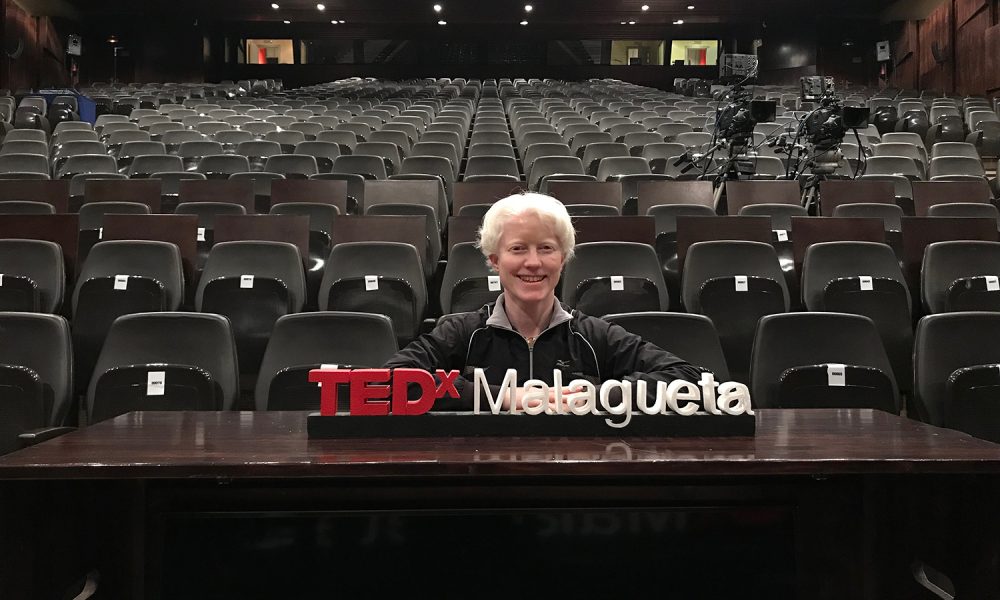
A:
{"x": 457, "y": 12}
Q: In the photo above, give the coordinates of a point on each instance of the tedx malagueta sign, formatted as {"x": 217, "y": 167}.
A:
{"x": 384, "y": 392}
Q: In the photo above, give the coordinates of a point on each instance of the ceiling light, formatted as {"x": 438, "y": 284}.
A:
{"x": 631, "y": 22}
{"x": 334, "y": 22}
{"x": 528, "y": 8}
{"x": 679, "y": 22}
{"x": 275, "y": 6}
{"x": 524, "y": 22}
{"x": 437, "y": 8}
{"x": 645, "y": 7}
{"x": 623, "y": 22}
{"x": 442, "y": 22}
{"x": 286, "y": 22}
{"x": 342, "y": 21}
{"x": 320, "y": 7}
{"x": 690, "y": 6}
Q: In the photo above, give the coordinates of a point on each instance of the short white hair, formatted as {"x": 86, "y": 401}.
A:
{"x": 546, "y": 208}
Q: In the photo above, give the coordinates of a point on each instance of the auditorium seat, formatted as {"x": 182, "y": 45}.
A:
{"x": 32, "y": 276}
{"x": 597, "y": 151}
{"x": 832, "y": 281}
{"x": 821, "y": 360}
{"x": 26, "y": 207}
{"x": 956, "y": 373}
{"x": 306, "y": 341}
{"x": 891, "y": 214}
{"x": 118, "y": 278}
{"x": 607, "y": 277}
{"x": 491, "y": 168}
{"x": 691, "y": 337}
{"x": 36, "y": 375}
{"x": 468, "y": 283}
{"x": 734, "y": 283}
{"x": 432, "y": 250}
{"x": 964, "y": 209}
{"x": 959, "y": 276}
{"x": 188, "y": 361}
{"x": 292, "y": 166}
{"x": 547, "y": 166}
{"x": 253, "y": 284}
{"x": 368, "y": 166}
{"x": 377, "y": 277}
{"x": 24, "y": 163}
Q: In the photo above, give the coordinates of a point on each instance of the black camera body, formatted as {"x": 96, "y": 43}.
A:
{"x": 736, "y": 121}
{"x": 826, "y": 126}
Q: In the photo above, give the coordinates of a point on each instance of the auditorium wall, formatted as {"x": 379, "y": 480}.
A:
{"x": 953, "y": 50}
{"x": 34, "y": 54}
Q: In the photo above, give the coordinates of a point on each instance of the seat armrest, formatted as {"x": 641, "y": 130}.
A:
{"x": 37, "y": 436}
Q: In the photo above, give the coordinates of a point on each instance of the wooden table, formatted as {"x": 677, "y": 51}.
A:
{"x": 819, "y": 504}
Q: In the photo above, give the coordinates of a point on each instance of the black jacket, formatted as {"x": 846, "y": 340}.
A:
{"x": 579, "y": 346}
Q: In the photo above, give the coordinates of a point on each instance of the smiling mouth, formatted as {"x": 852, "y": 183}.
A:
{"x": 531, "y": 278}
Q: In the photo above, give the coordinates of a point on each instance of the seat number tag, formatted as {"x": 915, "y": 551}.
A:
{"x": 741, "y": 283}
{"x": 836, "y": 375}
{"x": 156, "y": 382}
{"x": 493, "y": 281}
{"x": 121, "y": 282}
{"x": 100, "y": 233}
{"x": 246, "y": 282}
{"x": 371, "y": 283}
{"x": 1, "y": 279}
{"x": 617, "y": 283}
{"x": 992, "y": 283}
{"x": 782, "y": 235}
{"x": 201, "y": 234}
{"x": 866, "y": 283}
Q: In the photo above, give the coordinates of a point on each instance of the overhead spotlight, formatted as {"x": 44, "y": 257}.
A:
{"x": 690, "y": 6}
{"x": 286, "y": 22}
{"x": 645, "y": 7}
{"x": 334, "y": 22}
{"x": 320, "y": 7}
{"x": 525, "y": 22}
{"x": 275, "y": 6}
{"x": 442, "y": 22}
{"x": 679, "y": 22}
{"x": 623, "y": 22}
{"x": 528, "y": 8}
{"x": 631, "y": 22}
{"x": 342, "y": 21}
{"x": 437, "y": 8}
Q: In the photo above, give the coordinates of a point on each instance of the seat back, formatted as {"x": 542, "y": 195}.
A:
{"x": 39, "y": 351}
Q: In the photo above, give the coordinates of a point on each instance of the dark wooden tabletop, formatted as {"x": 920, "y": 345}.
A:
{"x": 274, "y": 445}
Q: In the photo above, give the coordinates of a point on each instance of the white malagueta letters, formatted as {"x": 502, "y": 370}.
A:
{"x": 681, "y": 397}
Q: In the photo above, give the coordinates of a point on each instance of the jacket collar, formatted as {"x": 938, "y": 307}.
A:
{"x": 498, "y": 315}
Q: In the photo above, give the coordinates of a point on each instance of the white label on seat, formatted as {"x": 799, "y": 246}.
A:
{"x": 494, "y": 282}
{"x": 246, "y": 281}
{"x": 866, "y": 283}
{"x": 992, "y": 283}
{"x": 371, "y": 283}
{"x": 328, "y": 367}
{"x": 156, "y": 382}
{"x": 1, "y": 279}
{"x": 121, "y": 282}
{"x": 617, "y": 283}
{"x": 201, "y": 234}
{"x": 836, "y": 375}
{"x": 741, "y": 283}
{"x": 782, "y": 235}
{"x": 100, "y": 233}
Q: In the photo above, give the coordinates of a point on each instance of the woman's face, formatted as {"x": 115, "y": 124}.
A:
{"x": 529, "y": 260}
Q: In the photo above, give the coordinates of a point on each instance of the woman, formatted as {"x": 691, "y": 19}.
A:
{"x": 527, "y": 238}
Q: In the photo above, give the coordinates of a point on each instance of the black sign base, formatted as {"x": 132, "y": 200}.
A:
{"x": 467, "y": 424}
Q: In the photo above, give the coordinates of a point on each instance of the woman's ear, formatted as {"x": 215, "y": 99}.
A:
{"x": 494, "y": 262}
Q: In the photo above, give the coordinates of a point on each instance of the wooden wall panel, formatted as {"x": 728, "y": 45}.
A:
{"x": 970, "y": 54}
{"x": 936, "y": 30}
{"x": 991, "y": 63}
{"x": 966, "y": 9}
{"x": 905, "y": 72}
{"x": 41, "y": 60}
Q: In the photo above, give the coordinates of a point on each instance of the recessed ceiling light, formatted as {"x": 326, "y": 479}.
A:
{"x": 442, "y": 22}
{"x": 690, "y": 6}
{"x": 631, "y": 22}
{"x": 437, "y": 8}
{"x": 645, "y": 7}
{"x": 286, "y": 22}
{"x": 275, "y": 6}
{"x": 334, "y": 22}
{"x": 679, "y": 22}
{"x": 623, "y": 22}
{"x": 320, "y": 7}
{"x": 342, "y": 21}
{"x": 528, "y": 8}
{"x": 524, "y": 22}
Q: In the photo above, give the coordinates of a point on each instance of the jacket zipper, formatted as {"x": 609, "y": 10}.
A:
{"x": 531, "y": 355}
